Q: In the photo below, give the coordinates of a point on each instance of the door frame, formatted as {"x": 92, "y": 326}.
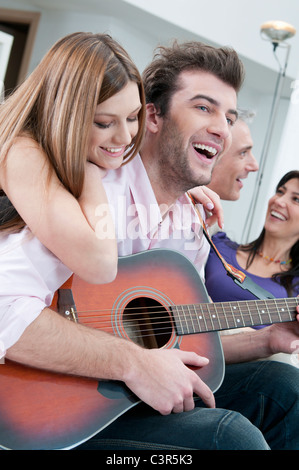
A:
{"x": 30, "y": 18}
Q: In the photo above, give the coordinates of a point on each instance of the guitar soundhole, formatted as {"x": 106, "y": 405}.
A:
{"x": 147, "y": 323}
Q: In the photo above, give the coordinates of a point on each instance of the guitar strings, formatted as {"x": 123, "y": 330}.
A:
{"x": 151, "y": 329}
{"x": 245, "y": 316}
{"x": 192, "y": 324}
{"x": 266, "y": 305}
{"x": 202, "y": 315}
{"x": 104, "y": 320}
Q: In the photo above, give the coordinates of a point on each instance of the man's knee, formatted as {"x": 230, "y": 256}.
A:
{"x": 235, "y": 432}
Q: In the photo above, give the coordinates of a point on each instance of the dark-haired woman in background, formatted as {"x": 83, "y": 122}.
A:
{"x": 272, "y": 260}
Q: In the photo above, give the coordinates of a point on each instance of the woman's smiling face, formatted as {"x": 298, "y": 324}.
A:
{"x": 115, "y": 125}
{"x": 283, "y": 211}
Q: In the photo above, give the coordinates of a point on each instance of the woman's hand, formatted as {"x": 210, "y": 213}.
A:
{"x": 211, "y": 202}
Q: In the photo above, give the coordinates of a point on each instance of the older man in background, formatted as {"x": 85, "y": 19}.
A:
{"x": 236, "y": 164}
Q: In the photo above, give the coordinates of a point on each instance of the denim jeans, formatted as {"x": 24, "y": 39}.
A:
{"x": 256, "y": 409}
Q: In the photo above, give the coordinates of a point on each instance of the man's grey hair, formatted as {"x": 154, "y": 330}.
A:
{"x": 246, "y": 115}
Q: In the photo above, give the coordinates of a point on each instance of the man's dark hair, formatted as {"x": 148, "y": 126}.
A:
{"x": 160, "y": 77}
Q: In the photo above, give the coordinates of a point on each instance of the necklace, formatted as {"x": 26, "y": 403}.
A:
{"x": 272, "y": 260}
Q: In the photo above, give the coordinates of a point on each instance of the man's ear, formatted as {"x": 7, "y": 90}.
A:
{"x": 152, "y": 118}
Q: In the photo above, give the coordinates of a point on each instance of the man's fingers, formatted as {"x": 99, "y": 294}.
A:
{"x": 206, "y": 394}
{"x": 200, "y": 388}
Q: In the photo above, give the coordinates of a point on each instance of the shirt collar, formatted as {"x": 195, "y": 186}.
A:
{"x": 143, "y": 196}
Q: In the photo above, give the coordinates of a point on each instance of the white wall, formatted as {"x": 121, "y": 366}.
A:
{"x": 141, "y": 25}
{"x": 232, "y": 22}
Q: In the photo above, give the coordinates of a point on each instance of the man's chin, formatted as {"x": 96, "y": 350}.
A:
{"x": 235, "y": 196}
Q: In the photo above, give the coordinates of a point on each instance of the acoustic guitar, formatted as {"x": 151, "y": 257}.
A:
{"x": 156, "y": 300}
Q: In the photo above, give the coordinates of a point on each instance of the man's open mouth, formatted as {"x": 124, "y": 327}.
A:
{"x": 206, "y": 150}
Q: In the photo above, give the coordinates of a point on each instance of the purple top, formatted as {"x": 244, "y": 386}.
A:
{"x": 221, "y": 287}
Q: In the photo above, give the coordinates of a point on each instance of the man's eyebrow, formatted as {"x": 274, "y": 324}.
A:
{"x": 214, "y": 102}
{"x": 205, "y": 97}
{"x": 234, "y": 111}
{"x": 246, "y": 147}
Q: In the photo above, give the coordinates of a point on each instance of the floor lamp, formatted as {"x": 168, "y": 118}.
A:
{"x": 276, "y": 32}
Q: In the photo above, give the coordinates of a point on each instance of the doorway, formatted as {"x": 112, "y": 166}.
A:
{"x": 6, "y": 41}
{"x": 22, "y": 27}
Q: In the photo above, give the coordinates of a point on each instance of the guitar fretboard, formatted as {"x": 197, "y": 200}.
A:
{"x": 205, "y": 317}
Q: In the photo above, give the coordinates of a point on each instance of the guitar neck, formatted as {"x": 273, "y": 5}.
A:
{"x": 207, "y": 317}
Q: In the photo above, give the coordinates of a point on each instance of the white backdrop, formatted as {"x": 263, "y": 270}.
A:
{"x": 6, "y": 41}
{"x": 288, "y": 152}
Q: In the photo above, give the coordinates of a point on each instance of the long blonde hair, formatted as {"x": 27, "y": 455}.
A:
{"x": 56, "y": 104}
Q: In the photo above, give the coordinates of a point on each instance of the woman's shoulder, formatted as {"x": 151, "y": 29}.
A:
{"x": 24, "y": 143}
{"x": 25, "y": 154}
{"x": 221, "y": 238}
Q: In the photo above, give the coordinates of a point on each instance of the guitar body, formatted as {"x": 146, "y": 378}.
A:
{"x": 42, "y": 410}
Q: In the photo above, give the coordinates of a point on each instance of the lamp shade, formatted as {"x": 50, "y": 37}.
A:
{"x": 277, "y": 31}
